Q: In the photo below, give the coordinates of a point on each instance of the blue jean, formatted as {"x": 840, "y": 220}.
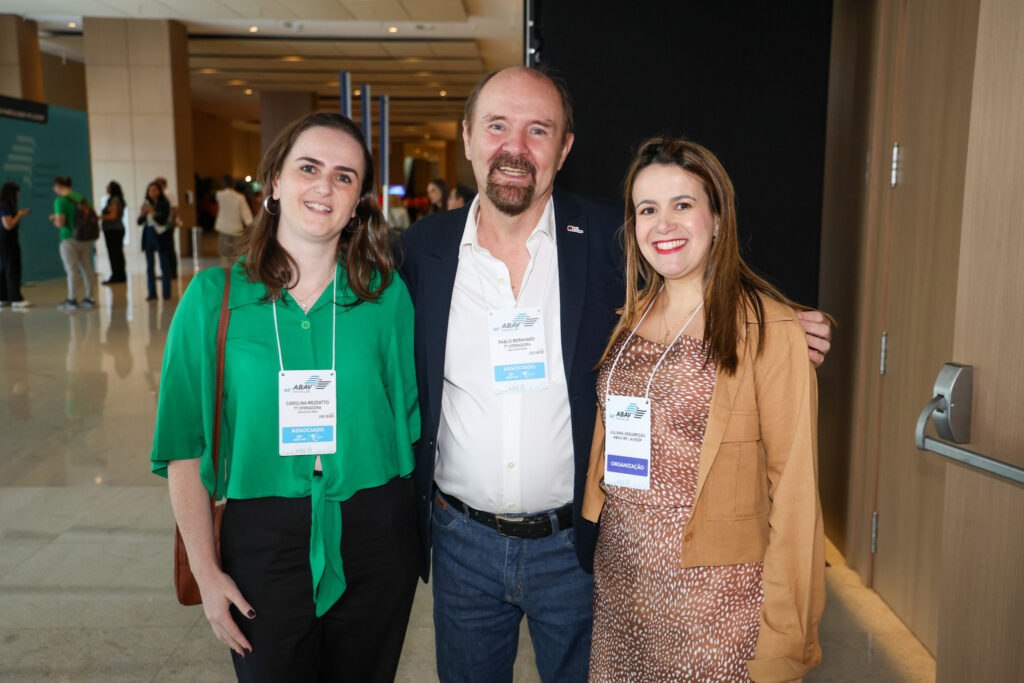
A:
{"x": 483, "y": 585}
{"x": 154, "y": 248}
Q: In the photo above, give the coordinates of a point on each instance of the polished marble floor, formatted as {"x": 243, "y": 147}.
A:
{"x": 85, "y": 529}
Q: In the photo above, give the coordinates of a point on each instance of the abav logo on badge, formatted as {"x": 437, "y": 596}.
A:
{"x": 632, "y": 411}
{"x": 315, "y": 381}
{"x": 520, "y": 320}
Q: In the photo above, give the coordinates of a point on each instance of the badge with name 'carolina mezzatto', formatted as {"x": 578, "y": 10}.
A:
{"x": 307, "y": 412}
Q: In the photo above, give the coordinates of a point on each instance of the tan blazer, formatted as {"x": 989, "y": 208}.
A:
{"x": 757, "y": 490}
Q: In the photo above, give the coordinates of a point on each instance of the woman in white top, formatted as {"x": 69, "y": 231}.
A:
{"x": 233, "y": 216}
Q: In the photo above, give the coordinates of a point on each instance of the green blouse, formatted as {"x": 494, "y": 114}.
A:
{"x": 378, "y": 414}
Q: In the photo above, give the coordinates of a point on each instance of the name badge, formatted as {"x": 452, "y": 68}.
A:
{"x": 627, "y": 442}
{"x": 307, "y": 412}
{"x": 518, "y": 350}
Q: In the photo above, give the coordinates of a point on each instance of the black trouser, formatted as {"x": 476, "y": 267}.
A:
{"x": 10, "y": 267}
{"x": 265, "y": 549}
{"x": 114, "y": 238}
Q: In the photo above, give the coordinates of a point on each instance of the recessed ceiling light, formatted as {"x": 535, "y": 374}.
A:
{"x": 392, "y": 29}
{"x": 248, "y": 91}
{"x": 357, "y": 92}
{"x": 444, "y": 93}
{"x": 291, "y": 58}
{"x": 236, "y": 82}
{"x": 254, "y": 29}
{"x": 72, "y": 24}
{"x": 207, "y": 71}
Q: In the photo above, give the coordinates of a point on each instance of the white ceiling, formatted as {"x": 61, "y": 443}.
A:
{"x": 411, "y": 50}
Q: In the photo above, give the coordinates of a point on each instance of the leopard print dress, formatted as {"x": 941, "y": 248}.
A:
{"x": 653, "y": 619}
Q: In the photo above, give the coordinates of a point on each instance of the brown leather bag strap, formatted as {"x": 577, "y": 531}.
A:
{"x": 222, "y": 338}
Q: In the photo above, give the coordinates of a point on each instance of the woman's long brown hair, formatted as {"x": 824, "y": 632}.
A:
{"x": 364, "y": 245}
{"x": 730, "y": 286}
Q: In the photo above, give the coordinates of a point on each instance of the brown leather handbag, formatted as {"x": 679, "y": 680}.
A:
{"x": 184, "y": 582}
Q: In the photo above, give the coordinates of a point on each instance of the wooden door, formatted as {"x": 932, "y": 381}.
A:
{"x": 981, "y": 612}
{"x": 932, "y": 110}
{"x": 856, "y": 227}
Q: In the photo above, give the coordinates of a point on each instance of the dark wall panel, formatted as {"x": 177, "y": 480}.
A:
{"x": 746, "y": 79}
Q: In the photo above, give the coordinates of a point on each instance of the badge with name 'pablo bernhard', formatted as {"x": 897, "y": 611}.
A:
{"x": 307, "y": 412}
{"x": 518, "y": 350}
{"x": 627, "y": 442}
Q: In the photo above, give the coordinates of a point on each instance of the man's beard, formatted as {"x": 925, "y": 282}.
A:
{"x": 511, "y": 200}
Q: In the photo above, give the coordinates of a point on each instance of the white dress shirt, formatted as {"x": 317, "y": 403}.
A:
{"x": 233, "y": 212}
{"x": 506, "y": 453}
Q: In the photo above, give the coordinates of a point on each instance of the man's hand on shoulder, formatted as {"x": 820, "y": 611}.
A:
{"x": 819, "y": 335}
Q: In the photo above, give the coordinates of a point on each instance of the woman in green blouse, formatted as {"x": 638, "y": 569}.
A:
{"x": 319, "y": 417}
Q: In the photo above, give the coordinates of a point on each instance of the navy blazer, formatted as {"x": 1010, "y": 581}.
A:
{"x": 591, "y": 289}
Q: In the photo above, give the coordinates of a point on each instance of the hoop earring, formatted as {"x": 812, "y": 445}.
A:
{"x": 266, "y": 206}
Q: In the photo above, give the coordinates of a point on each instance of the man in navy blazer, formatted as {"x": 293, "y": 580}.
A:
{"x": 591, "y": 290}
{"x": 502, "y": 460}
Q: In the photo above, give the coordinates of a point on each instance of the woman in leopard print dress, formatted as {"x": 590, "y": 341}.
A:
{"x": 712, "y": 569}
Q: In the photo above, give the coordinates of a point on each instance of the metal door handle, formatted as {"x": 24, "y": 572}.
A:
{"x": 951, "y": 407}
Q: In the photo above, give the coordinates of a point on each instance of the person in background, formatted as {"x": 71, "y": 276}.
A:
{"x": 174, "y": 221}
{"x": 10, "y": 248}
{"x": 710, "y": 564}
{"x": 113, "y": 232}
{"x": 157, "y": 239}
{"x": 233, "y": 216}
{"x": 459, "y": 197}
{"x": 74, "y": 253}
{"x": 318, "y": 544}
{"x": 437, "y": 193}
{"x": 172, "y": 199}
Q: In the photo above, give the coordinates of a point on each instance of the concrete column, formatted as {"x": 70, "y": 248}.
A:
{"x": 21, "y": 69}
{"x": 140, "y": 114}
{"x": 278, "y": 109}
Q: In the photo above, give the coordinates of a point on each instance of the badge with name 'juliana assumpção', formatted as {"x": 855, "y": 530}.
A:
{"x": 627, "y": 426}
{"x": 627, "y": 442}
{"x": 307, "y": 411}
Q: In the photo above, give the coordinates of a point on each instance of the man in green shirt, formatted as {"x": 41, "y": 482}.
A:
{"x": 74, "y": 253}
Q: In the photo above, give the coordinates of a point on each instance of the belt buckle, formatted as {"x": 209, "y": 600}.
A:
{"x": 498, "y": 519}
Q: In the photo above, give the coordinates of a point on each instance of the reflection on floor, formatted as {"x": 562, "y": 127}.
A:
{"x": 85, "y": 529}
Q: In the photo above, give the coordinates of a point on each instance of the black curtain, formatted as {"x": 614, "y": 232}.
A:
{"x": 748, "y": 80}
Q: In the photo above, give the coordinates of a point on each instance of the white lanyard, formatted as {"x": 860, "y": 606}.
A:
{"x": 307, "y": 400}
{"x": 522, "y": 287}
{"x": 647, "y": 392}
{"x": 517, "y": 341}
{"x": 334, "y": 324}
{"x": 627, "y": 444}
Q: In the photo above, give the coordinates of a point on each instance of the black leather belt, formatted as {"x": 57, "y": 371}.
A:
{"x": 525, "y": 526}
